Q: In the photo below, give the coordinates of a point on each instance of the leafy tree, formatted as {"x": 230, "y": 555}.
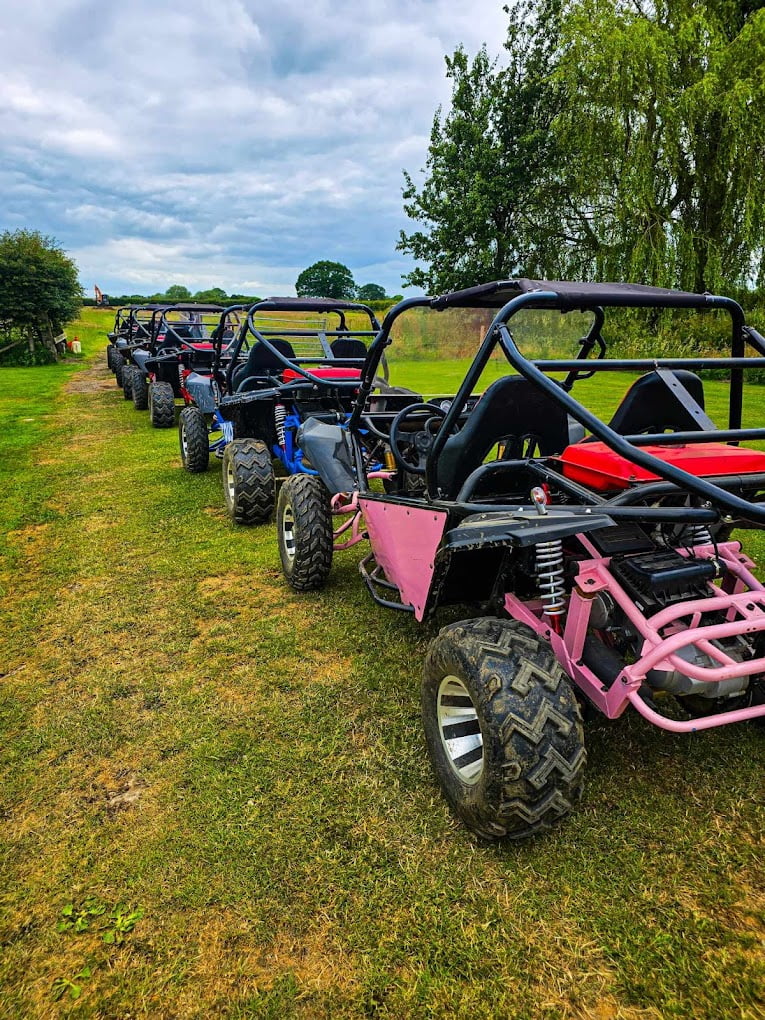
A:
{"x": 484, "y": 199}
{"x": 371, "y": 292}
{"x": 39, "y": 291}
{"x": 664, "y": 129}
{"x": 177, "y": 292}
{"x": 326, "y": 279}
{"x": 213, "y": 296}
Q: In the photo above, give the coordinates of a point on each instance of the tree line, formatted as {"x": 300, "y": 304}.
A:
{"x": 322, "y": 279}
{"x": 178, "y": 293}
{"x": 617, "y": 139}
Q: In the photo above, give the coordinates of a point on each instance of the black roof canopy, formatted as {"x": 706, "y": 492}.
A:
{"x": 189, "y": 307}
{"x": 305, "y": 304}
{"x": 571, "y": 295}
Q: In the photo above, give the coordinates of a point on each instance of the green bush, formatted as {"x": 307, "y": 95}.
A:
{"x": 22, "y": 357}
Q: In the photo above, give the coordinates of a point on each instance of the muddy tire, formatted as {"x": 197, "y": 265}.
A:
{"x": 194, "y": 440}
{"x": 127, "y": 381}
{"x": 248, "y": 481}
{"x": 140, "y": 389}
{"x": 161, "y": 405}
{"x": 304, "y": 532}
{"x": 503, "y": 728}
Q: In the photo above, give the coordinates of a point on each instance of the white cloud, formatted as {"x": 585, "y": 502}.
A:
{"x": 223, "y": 142}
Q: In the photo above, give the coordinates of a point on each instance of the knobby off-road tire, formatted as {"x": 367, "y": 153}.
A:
{"x": 161, "y": 405}
{"x": 248, "y": 481}
{"x": 304, "y": 532}
{"x": 140, "y": 389}
{"x": 127, "y": 381}
{"x": 110, "y": 357}
{"x": 503, "y": 728}
{"x": 119, "y": 368}
{"x": 194, "y": 440}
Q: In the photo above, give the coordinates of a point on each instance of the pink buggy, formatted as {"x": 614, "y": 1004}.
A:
{"x": 596, "y": 558}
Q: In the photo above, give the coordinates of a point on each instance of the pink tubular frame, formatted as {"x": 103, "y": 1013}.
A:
{"x": 343, "y": 505}
{"x": 743, "y": 606}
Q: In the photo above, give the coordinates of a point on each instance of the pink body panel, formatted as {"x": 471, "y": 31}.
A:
{"x": 404, "y": 541}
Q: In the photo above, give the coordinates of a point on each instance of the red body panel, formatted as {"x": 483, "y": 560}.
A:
{"x": 600, "y": 468}
{"x": 323, "y": 372}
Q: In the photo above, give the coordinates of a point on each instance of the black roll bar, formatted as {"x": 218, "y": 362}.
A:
{"x": 499, "y": 333}
{"x": 318, "y": 305}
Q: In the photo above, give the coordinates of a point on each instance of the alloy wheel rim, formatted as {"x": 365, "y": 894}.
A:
{"x": 230, "y": 482}
{"x": 460, "y": 730}
{"x": 288, "y": 531}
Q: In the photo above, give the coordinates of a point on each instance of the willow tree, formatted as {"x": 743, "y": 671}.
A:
{"x": 664, "y": 127}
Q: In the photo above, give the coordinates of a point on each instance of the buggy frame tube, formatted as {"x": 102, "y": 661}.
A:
{"x": 274, "y": 305}
{"x": 587, "y": 343}
{"x": 499, "y": 333}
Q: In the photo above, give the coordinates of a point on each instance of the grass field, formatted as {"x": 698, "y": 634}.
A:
{"x": 216, "y": 798}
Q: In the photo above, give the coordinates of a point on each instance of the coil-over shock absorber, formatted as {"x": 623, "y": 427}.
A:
{"x": 280, "y": 413}
{"x": 700, "y": 535}
{"x": 549, "y": 568}
{"x": 550, "y": 578}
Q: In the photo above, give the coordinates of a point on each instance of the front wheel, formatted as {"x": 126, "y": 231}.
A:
{"x": 119, "y": 368}
{"x": 503, "y": 728}
{"x": 194, "y": 440}
{"x": 140, "y": 389}
{"x": 248, "y": 481}
{"x": 304, "y": 532}
{"x": 161, "y": 405}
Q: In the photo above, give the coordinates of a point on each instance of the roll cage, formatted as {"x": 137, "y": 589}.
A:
{"x": 263, "y": 327}
{"x": 509, "y": 297}
{"x": 182, "y": 324}
{"x": 133, "y": 323}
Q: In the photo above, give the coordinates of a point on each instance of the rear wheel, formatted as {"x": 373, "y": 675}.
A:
{"x": 127, "y": 381}
{"x": 140, "y": 389}
{"x": 304, "y": 532}
{"x": 248, "y": 481}
{"x": 503, "y": 728}
{"x": 110, "y": 357}
{"x": 161, "y": 405}
{"x": 194, "y": 440}
{"x": 119, "y": 368}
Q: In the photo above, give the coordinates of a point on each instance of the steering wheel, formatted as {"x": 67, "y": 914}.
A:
{"x": 418, "y": 444}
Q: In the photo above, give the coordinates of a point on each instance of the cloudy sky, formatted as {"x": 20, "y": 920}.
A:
{"x": 223, "y": 142}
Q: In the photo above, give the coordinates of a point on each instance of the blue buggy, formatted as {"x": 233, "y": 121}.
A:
{"x": 293, "y": 358}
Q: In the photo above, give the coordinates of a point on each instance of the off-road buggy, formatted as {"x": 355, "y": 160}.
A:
{"x": 180, "y": 344}
{"x": 132, "y": 329}
{"x": 202, "y": 429}
{"x": 597, "y": 556}
{"x": 119, "y": 332}
{"x": 285, "y": 366}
